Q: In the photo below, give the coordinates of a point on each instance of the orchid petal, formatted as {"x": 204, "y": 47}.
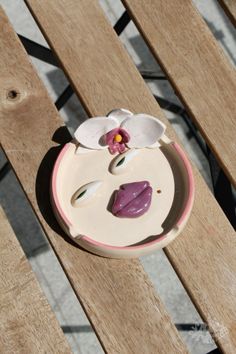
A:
{"x": 91, "y": 132}
{"x": 110, "y": 136}
{"x": 144, "y": 130}
{"x": 120, "y": 114}
{"x": 121, "y": 148}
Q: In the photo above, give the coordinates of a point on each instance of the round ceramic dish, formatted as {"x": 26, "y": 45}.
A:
{"x": 94, "y": 227}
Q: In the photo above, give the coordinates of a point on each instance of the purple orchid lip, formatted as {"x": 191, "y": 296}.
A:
{"x": 132, "y": 199}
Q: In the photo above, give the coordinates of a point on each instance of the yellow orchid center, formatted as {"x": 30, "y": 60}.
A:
{"x": 118, "y": 138}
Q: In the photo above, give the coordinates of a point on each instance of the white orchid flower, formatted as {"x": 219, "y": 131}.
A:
{"x": 120, "y": 130}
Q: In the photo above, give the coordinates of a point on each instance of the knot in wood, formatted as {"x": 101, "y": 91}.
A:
{"x": 13, "y": 95}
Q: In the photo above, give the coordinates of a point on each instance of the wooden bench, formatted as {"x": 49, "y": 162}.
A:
{"x": 127, "y": 318}
{"x": 27, "y": 323}
{"x": 229, "y": 7}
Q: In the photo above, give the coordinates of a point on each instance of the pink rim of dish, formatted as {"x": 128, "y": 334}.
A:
{"x": 89, "y": 240}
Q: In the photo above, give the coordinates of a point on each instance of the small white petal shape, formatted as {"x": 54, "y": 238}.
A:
{"x": 90, "y": 132}
{"x": 144, "y": 130}
{"x": 120, "y": 114}
{"x": 119, "y": 164}
{"x": 85, "y": 192}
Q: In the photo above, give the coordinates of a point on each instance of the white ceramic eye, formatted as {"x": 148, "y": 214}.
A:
{"x": 84, "y": 193}
{"x": 119, "y": 164}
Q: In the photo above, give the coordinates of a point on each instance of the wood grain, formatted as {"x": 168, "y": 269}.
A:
{"x": 28, "y": 324}
{"x": 117, "y": 296}
{"x": 229, "y": 7}
{"x": 105, "y": 78}
{"x": 200, "y": 73}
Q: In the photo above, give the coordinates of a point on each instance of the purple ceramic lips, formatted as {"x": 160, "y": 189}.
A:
{"x": 132, "y": 199}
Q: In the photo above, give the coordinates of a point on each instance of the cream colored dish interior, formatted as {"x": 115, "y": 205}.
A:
{"x": 94, "y": 219}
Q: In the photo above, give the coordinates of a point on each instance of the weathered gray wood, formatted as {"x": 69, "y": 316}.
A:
{"x": 117, "y": 296}
{"x": 229, "y": 7}
{"x": 201, "y": 74}
{"x": 28, "y": 324}
{"x": 105, "y": 78}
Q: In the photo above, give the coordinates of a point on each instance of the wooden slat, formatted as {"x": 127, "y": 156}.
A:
{"x": 28, "y": 324}
{"x": 117, "y": 296}
{"x": 229, "y": 7}
{"x": 202, "y": 76}
{"x": 104, "y": 77}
